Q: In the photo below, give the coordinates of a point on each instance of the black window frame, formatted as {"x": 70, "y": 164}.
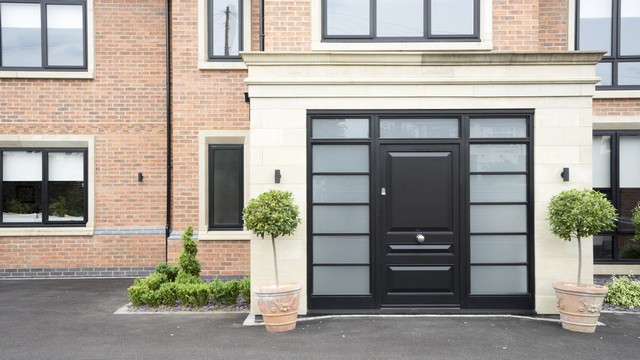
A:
{"x": 614, "y": 58}
{"x": 427, "y": 36}
{"x": 210, "y": 29}
{"x": 212, "y": 226}
{"x": 43, "y": 34}
{"x": 45, "y": 193}
{"x": 616, "y": 196}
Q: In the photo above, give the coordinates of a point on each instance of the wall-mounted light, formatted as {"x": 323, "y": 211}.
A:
{"x": 278, "y": 176}
{"x": 247, "y": 99}
{"x": 140, "y": 177}
{"x": 565, "y": 174}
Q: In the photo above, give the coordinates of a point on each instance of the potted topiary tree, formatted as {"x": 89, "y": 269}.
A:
{"x": 274, "y": 213}
{"x": 580, "y": 213}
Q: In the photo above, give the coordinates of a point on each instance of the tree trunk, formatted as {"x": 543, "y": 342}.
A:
{"x": 275, "y": 259}
{"x": 579, "y": 261}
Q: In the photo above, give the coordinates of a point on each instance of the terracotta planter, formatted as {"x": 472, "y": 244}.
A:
{"x": 579, "y": 305}
{"x": 279, "y": 305}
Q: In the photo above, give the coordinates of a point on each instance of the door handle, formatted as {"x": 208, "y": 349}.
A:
{"x": 420, "y": 238}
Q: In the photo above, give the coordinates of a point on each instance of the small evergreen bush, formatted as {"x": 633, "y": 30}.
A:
{"x": 623, "y": 291}
{"x": 192, "y": 294}
{"x": 245, "y": 289}
{"x": 155, "y": 280}
{"x": 185, "y": 278}
{"x": 187, "y": 259}
{"x": 169, "y": 270}
{"x": 225, "y": 292}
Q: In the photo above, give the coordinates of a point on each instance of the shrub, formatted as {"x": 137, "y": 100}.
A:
{"x": 635, "y": 219}
{"x": 185, "y": 278}
{"x": 187, "y": 259}
{"x": 156, "y": 279}
{"x": 245, "y": 289}
{"x": 169, "y": 270}
{"x": 623, "y": 291}
{"x": 137, "y": 294}
{"x": 225, "y": 292}
{"x": 192, "y": 294}
{"x": 167, "y": 294}
{"x": 16, "y": 207}
{"x": 59, "y": 207}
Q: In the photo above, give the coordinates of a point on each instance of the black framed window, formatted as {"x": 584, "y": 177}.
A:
{"x": 226, "y": 186}
{"x": 616, "y": 173}
{"x": 43, "y": 187}
{"x": 407, "y": 20}
{"x": 225, "y": 21}
{"x": 611, "y": 25}
{"x": 43, "y": 35}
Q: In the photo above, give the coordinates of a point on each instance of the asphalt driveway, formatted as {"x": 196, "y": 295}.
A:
{"x": 74, "y": 319}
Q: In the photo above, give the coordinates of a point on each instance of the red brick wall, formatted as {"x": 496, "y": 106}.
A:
{"x": 218, "y": 258}
{"x": 288, "y": 25}
{"x": 553, "y": 29}
{"x": 515, "y": 25}
{"x": 616, "y": 107}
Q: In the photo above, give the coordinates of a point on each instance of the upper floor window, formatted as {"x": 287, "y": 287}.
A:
{"x": 405, "y": 20}
{"x": 225, "y": 29}
{"x": 612, "y": 26}
{"x": 43, "y": 186}
{"x": 43, "y": 35}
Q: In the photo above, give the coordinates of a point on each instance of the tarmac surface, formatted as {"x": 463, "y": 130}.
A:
{"x": 74, "y": 319}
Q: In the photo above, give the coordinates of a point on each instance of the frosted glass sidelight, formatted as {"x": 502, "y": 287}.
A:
{"x": 340, "y": 219}
{"x": 498, "y": 157}
{"x": 498, "y": 188}
{"x": 601, "y": 155}
{"x": 498, "y": 249}
{"x": 340, "y": 188}
{"x": 419, "y": 128}
{"x": 595, "y": 25}
{"x": 498, "y": 280}
{"x": 348, "y": 17}
{"x": 65, "y": 35}
{"x": 343, "y": 280}
{"x": 498, "y": 218}
{"x": 21, "y": 35}
{"x": 340, "y": 128}
{"x": 400, "y": 18}
{"x": 498, "y": 128}
{"x": 452, "y": 17}
{"x": 340, "y": 158}
{"x": 340, "y": 249}
{"x": 629, "y": 73}
{"x": 22, "y": 166}
{"x": 630, "y": 28}
{"x": 629, "y": 164}
{"x": 225, "y": 31}
{"x": 66, "y": 166}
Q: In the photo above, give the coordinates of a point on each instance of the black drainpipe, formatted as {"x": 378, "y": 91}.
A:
{"x": 261, "y": 25}
{"x": 167, "y": 228}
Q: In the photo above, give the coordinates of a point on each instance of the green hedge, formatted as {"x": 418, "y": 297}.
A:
{"x": 623, "y": 291}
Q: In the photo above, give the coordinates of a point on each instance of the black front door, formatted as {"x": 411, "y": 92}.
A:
{"x": 419, "y": 227}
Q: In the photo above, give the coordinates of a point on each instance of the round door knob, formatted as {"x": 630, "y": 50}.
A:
{"x": 420, "y": 238}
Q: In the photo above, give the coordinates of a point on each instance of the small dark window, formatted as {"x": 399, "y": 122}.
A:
{"x": 226, "y": 186}
{"x": 611, "y": 26}
{"x": 42, "y": 187}
{"x": 225, "y": 29}
{"x": 43, "y": 35}
{"x": 409, "y": 20}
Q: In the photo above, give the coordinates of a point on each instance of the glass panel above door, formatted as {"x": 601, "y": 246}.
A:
{"x": 444, "y": 128}
{"x": 340, "y": 128}
{"x": 498, "y": 128}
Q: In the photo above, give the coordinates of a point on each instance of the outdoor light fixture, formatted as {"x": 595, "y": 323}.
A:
{"x": 278, "y": 176}
{"x": 140, "y": 177}
{"x": 565, "y": 174}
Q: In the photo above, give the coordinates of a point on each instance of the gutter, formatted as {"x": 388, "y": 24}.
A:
{"x": 167, "y": 228}
{"x": 261, "y": 25}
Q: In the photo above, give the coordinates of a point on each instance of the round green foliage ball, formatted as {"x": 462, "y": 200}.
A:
{"x": 580, "y": 213}
{"x": 272, "y": 213}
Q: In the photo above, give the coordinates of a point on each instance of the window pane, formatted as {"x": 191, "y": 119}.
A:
{"x": 498, "y": 188}
{"x": 628, "y": 249}
{"x": 601, "y": 155}
{"x": 498, "y": 248}
{"x": 452, "y": 17}
{"x": 66, "y": 201}
{"x": 400, "y": 18}
{"x": 496, "y": 157}
{"x": 226, "y": 194}
{"x": 340, "y": 158}
{"x": 603, "y": 247}
{"x": 340, "y": 188}
{"x": 629, "y": 73}
{"x": 340, "y": 249}
{"x": 22, "y": 166}
{"x": 21, "y": 38}
{"x": 225, "y": 20}
{"x": 345, "y": 280}
{"x": 498, "y": 280}
{"x": 21, "y": 186}
{"x": 419, "y": 128}
{"x": 604, "y": 71}
{"x": 348, "y": 17}
{"x": 66, "y": 166}
{"x": 629, "y": 164}
{"x": 498, "y": 218}
{"x": 65, "y": 35}
{"x": 595, "y": 25}
{"x": 341, "y": 219}
{"x": 629, "y": 27}
{"x": 498, "y": 128}
{"x": 340, "y": 128}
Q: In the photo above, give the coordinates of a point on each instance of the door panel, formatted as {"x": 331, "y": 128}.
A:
{"x": 421, "y": 199}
